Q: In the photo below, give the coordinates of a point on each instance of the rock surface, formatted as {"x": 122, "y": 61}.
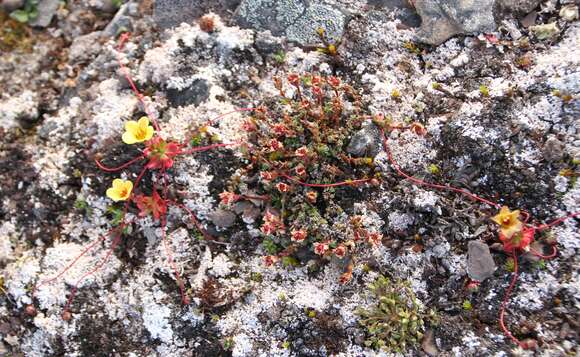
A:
{"x": 442, "y": 19}
{"x": 298, "y": 20}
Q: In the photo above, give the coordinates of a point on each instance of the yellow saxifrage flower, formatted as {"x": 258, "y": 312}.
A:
{"x": 120, "y": 191}
{"x": 508, "y": 221}
{"x": 137, "y": 131}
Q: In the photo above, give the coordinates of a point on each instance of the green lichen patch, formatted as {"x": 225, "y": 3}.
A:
{"x": 397, "y": 321}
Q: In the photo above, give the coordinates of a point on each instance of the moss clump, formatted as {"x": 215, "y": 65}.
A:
{"x": 397, "y": 321}
{"x": 14, "y": 35}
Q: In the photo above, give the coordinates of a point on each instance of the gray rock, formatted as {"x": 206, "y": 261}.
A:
{"x": 366, "y": 142}
{"x": 11, "y": 5}
{"x": 442, "y": 19}
{"x": 295, "y": 19}
{"x": 121, "y": 21}
{"x": 85, "y": 47}
{"x": 304, "y": 30}
{"x": 222, "y": 218}
{"x": 480, "y": 264}
{"x": 195, "y": 94}
{"x": 520, "y": 7}
{"x": 553, "y": 149}
{"x": 275, "y": 16}
{"x": 46, "y": 11}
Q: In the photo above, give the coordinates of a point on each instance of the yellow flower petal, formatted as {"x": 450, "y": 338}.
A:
{"x": 128, "y": 138}
{"x": 143, "y": 122}
{"x": 120, "y": 190}
{"x": 149, "y": 133}
{"x": 131, "y": 126}
{"x": 118, "y": 183}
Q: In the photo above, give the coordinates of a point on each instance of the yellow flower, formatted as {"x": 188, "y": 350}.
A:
{"x": 137, "y": 131}
{"x": 120, "y": 191}
{"x": 508, "y": 221}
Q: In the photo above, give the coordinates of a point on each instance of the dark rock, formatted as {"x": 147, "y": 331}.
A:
{"x": 171, "y": 13}
{"x": 442, "y": 19}
{"x": 520, "y": 7}
{"x": 46, "y": 10}
{"x": 268, "y": 44}
{"x": 108, "y": 6}
{"x": 222, "y": 218}
{"x": 402, "y": 9}
{"x": 195, "y": 94}
{"x": 480, "y": 264}
{"x": 366, "y": 142}
{"x": 553, "y": 149}
{"x": 11, "y": 5}
{"x": 298, "y": 20}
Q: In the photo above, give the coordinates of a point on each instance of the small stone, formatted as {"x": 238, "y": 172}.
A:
{"x": 365, "y": 142}
{"x": 442, "y": 19}
{"x": 11, "y": 5}
{"x": 46, "y": 11}
{"x": 480, "y": 264}
{"x": 121, "y": 21}
{"x": 108, "y": 6}
{"x": 519, "y": 7}
{"x": 428, "y": 344}
{"x": 553, "y": 149}
{"x": 529, "y": 19}
{"x": 85, "y": 47}
{"x": 66, "y": 315}
{"x": 30, "y": 310}
{"x": 195, "y": 94}
{"x": 223, "y": 218}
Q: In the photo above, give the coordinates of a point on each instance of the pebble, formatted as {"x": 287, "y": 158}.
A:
{"x": 480, "y": 264}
